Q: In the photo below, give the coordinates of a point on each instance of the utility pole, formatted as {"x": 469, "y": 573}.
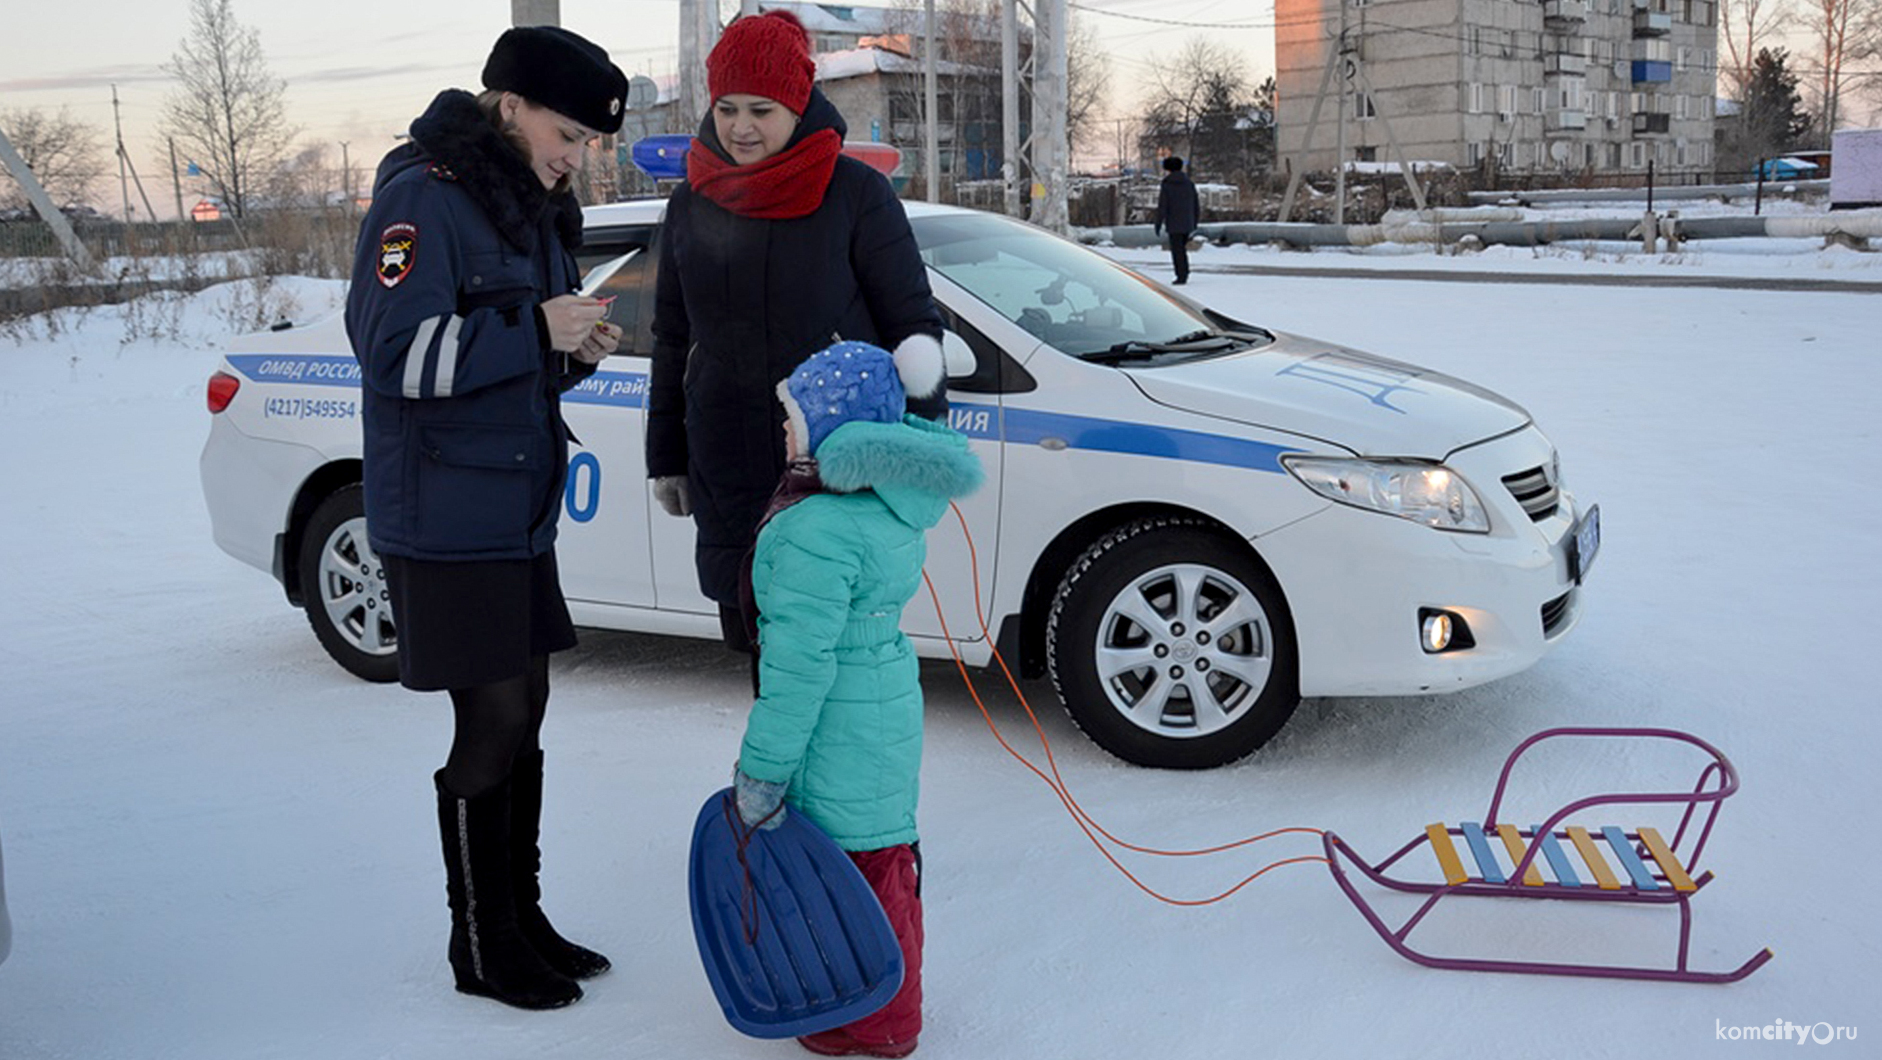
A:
{"x": 176, "y": 182}
{"x": 124, "y": 186}
{"x": 931, "y": 145}
{"x": 61, "y": 228}
{"x": 535, "y": 12}
{"x": 1344, "y": 58}
{"x": 699, "y": 31}
{"x": 1339, "y": 155}
{"x": 1049, "y": 147}
{"x": 1009, "y": 105}
{"x": 346, "y": 175}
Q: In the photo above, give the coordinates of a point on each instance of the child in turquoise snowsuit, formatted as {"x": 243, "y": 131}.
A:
{"x": 836, "y": 731}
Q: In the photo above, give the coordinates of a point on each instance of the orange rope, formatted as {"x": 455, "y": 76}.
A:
{"x": 1086, "y": 823}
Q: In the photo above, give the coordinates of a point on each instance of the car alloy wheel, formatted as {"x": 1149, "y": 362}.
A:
{"x": 1170, "y": 646}
{"x": 343, "y": 589}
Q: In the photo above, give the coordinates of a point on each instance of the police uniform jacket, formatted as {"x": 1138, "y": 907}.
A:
{"x": 465, "y": 447}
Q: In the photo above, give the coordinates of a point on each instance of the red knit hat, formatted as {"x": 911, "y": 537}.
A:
{"x": 767, "y": 55}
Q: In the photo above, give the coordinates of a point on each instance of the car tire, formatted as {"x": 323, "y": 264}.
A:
{"x": 1171, "y": 646}
{"x": 343, "y": 589}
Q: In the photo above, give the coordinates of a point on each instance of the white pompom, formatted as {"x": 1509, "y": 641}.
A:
{"x": 918, "y": 360}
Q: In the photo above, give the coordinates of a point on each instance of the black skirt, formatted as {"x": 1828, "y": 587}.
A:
{"x": 475, "y": 623}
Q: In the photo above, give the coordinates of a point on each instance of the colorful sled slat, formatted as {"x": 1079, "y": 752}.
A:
{"x": 1513, "y": 842}
{"x": 1655, "y": 876}
{"x": 1636, "y": 868}
{"x": 1480, "y": 849}
{"x": 1584, "y": 843}
{"x": 1448, "y": 860}
{"x": 1669, "y": 863}
{"x": 1558, "y": 860}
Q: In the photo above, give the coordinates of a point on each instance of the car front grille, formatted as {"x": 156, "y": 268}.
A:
{"x": 1535, "y": 491}
{"x": 1555, "y": 612}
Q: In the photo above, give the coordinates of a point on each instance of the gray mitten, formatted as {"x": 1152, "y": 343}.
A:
{"x": 760, "y": 802}
{"x": 670, "y": 492}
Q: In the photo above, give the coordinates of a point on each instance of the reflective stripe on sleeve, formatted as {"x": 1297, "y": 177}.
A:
{"x": 415, "y": 358}
{"x": 447, "y": 358}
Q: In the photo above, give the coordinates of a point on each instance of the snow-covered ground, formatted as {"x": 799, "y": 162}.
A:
{"x": 221, "y": 847}
{"x": 1749, "y": 258}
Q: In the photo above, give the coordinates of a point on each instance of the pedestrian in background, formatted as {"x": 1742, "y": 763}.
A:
{"x": 775, "y": 245}
{"x": 836, "y": 730}
{"x": 462, "y": 318}
{"x": 1179, "y": 209}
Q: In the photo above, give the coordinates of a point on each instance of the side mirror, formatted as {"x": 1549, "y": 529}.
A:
{"x": 957, "y": 356}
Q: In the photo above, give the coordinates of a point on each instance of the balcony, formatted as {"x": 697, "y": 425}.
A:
{"x": 1648, "y": 71}
{"x": 1652, "y": 24}
{"x": 1565, "y": 64}
{"x": 1648, "y": 122}
{"x": 1564, "y": 14}
{"x": 1565, "y": 120}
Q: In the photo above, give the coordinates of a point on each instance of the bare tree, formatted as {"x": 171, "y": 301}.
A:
{"x": 1745, "y": 27}
{"x": 1201, "y": 104}
{"x": 967, "y": 45}
{"x": 227, "y": 111}
{"x": 1843, "y": 32}
{"x": 1088, "y": 80}
{"x": 65, "y": 154}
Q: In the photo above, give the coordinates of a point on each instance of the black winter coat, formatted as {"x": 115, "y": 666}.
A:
{"x": 465, "y": 448}
{"x": 741, "y": 302}
{"x": 1179, "y": 208}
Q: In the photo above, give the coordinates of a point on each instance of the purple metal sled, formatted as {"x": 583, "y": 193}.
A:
{"x": 1652, "y": 872}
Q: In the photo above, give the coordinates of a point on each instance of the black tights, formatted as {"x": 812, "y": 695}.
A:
{"x": 495, "y": 723}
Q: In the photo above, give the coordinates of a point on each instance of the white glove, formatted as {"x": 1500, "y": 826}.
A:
{"x": 670, "y": 491}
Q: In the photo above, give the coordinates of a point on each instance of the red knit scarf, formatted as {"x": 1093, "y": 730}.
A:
{"x": 789, "y": 184}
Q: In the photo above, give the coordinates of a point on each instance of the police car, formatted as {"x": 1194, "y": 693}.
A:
{"x": 1189, "y": 521}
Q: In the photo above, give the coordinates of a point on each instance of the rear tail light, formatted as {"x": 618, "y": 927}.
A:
{"x": 222, "y": 388}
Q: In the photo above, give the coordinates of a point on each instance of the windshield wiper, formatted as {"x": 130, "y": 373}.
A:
{"x": 1131, "y": 350}
{"x": 1194, "y": 336}
{"x": 1138, "y": 349}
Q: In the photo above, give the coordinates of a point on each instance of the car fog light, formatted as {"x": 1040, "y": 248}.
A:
{"x": 1437, "y": 631}
{"x": 1442, "y": 631}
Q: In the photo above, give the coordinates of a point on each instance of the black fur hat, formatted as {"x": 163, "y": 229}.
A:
{"x": 567, "y": 73}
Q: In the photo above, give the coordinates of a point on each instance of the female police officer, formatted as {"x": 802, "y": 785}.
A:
{"x": 465, "y": 330}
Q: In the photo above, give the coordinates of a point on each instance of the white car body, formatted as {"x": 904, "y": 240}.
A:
{"x": 6, "y": 923}
{"x": 1088, "y": 447}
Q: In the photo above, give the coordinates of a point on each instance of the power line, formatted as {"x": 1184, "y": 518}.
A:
{"x": 1172, "y": 21}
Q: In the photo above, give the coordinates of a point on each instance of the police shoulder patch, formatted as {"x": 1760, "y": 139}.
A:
{"x": 398, "y": 252}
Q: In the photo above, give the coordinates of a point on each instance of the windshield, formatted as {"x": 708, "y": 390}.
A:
{"x": 1074, "y": 300}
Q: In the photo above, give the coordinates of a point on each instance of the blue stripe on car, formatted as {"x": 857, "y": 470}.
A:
{"x": 1022, "y": 426}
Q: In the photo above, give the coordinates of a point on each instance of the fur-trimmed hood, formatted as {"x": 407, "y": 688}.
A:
{"x": 915, "y": 466}
{"x": 455, "y": 132}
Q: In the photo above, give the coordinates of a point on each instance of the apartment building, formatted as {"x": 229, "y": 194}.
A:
{"x": 1521, "y": 86}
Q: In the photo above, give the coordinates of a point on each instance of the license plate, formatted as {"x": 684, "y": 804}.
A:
{"x": 1584, "y": 543}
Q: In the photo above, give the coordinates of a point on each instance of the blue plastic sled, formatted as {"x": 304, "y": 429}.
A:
{"x": 797, "y": 945}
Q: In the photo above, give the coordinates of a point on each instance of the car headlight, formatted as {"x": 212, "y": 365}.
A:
{"x": 1423, "y": 492}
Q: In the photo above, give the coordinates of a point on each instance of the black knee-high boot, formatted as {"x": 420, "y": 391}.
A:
{"x": 576, "y": 962}
{"x": 489, "y": 954}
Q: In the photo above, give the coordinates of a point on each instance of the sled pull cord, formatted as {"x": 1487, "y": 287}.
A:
{"x": 1094, "y": 831}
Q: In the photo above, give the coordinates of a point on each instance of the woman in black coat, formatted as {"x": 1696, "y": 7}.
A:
{"x": 462, "y": 318}
{"x": 775, "y": 247}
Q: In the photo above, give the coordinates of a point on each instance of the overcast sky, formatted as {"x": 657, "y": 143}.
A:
{"x": 359, "y": 70}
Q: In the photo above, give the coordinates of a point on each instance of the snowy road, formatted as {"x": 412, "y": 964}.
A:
{"x": 220, "y": 847}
